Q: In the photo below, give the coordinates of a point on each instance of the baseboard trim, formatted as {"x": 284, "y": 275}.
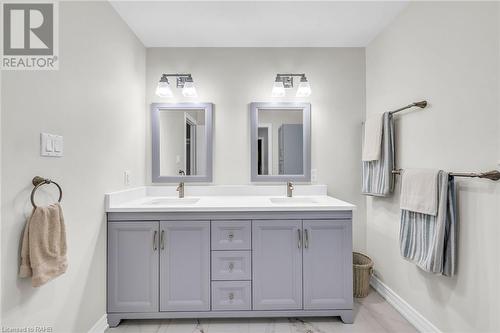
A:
{"x": 407, "y": 311}
{"x": 101, "y": 325}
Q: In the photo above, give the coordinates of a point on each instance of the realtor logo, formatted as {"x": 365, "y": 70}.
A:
{"x": 29, "y": 36}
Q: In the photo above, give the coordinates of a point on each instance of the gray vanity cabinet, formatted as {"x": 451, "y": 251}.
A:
{"x": 229, "y": 265}
{"x": 132, "y": 267}
{"x": 327, "y": 264}
{"x": 302, "y": 258}
{"x": 277, "y": 264}
{"x": 184, "y": 265}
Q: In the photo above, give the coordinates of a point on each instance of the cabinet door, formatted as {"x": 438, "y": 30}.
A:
{"x": 132, "y": 267}
{"x": 277, "y": 265}
{"x": 185, "y": 266}
{"x": 327, "y": 264}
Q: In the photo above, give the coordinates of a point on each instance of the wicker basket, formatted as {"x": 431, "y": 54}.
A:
{"x": 362, "y": 271}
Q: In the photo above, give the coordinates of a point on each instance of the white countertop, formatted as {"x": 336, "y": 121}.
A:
{"x": 224, "y": 198}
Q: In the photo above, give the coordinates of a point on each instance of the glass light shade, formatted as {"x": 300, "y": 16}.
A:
{"x": 189, "y": 90}
{"x": 163, "y": 89}
{"x": 304, "y": 89}
{"x": 278, "y": 89}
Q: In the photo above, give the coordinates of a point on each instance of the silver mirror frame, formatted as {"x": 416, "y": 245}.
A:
{"x": 155, "y": 141}
{"x": 254, "y": 122}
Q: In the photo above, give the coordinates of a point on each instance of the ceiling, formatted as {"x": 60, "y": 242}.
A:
{"x": 257, "y": 23}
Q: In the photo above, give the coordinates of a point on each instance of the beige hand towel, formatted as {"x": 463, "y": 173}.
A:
{"x": 419, "y": 191}
{"x": 372, "y": 144}
{"x": 43, "y": 252}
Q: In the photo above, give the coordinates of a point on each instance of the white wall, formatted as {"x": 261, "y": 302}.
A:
{"x": 172, "y": 142}
{"x": 447, "y": 53}
{"x": 96, "y": 101}
{"x": 233, "y": 77}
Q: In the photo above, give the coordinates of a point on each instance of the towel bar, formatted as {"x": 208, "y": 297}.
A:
{"x": 421, "y": 104}
{"x": 491, "y": 175}
{"x": 38, "y": 181}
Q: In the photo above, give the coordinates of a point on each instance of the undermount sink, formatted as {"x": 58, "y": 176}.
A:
{"x": 172, "y": 201}
{"x": 292, "y": 200}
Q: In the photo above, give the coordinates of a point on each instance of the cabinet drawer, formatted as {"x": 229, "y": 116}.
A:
{"x": 231, "y": 295}
{"x": 231, "y": 235}
{"x": 231, "y": 265}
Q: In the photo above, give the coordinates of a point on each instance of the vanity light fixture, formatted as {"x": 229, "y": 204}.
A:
{"x": 304, "y": 89}
{"x": 189, "y": 90}
{"x": 184, "y": 81}
{"x": 278, "y": 88}
{"x": 163, "y": 89}
{"x": 284, "y": 81}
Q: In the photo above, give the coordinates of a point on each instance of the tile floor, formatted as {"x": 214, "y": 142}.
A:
{"x": 371, "y": 314}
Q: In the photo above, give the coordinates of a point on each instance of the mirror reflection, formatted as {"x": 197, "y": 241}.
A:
{"x": 280, "y": 143}
{"x": 182, "y": 142}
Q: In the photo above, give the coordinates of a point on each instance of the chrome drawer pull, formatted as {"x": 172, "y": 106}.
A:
{"x": 231, "y": 266}
{"x": 230, "y": 236}
{"x": 231, "y": 296}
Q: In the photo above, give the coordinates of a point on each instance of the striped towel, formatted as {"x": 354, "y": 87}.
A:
{"x": 378, "y": 179}
{"x": 431, "y": 241}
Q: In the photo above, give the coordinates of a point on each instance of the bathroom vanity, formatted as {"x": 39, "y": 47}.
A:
{"x": 228, "y": 251}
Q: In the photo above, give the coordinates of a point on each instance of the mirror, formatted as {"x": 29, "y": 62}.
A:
{"x": 280, "y": 142}
{"x": 182, "y": 142}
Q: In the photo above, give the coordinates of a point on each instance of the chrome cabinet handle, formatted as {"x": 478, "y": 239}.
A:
{"x": 155, "y": 246}
{"x": 306, "y": 238}
{"x": 162, "y": 240}
{"x": 231, "y": 266}
{"x": 231, "y": 296}
{"x": 231, "y": 235}
{"x": 299, "y": 233}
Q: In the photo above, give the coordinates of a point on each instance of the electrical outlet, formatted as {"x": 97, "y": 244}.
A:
{"x": 126, "y": 177}
{"x": 314, "y": 175}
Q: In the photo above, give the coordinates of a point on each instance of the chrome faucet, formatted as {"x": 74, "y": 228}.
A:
{"x": 289, "y": 189}
{"x": 180, "y": 189}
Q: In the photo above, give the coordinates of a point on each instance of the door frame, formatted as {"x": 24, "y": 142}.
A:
{"x": 269, "y": 127}
{"x": 191, "y": 121}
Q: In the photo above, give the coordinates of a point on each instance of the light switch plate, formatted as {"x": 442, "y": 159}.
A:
{"x": 51, "y": 145}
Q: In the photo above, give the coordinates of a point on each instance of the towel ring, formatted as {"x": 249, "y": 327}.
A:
{"x": 39, "y": 181}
